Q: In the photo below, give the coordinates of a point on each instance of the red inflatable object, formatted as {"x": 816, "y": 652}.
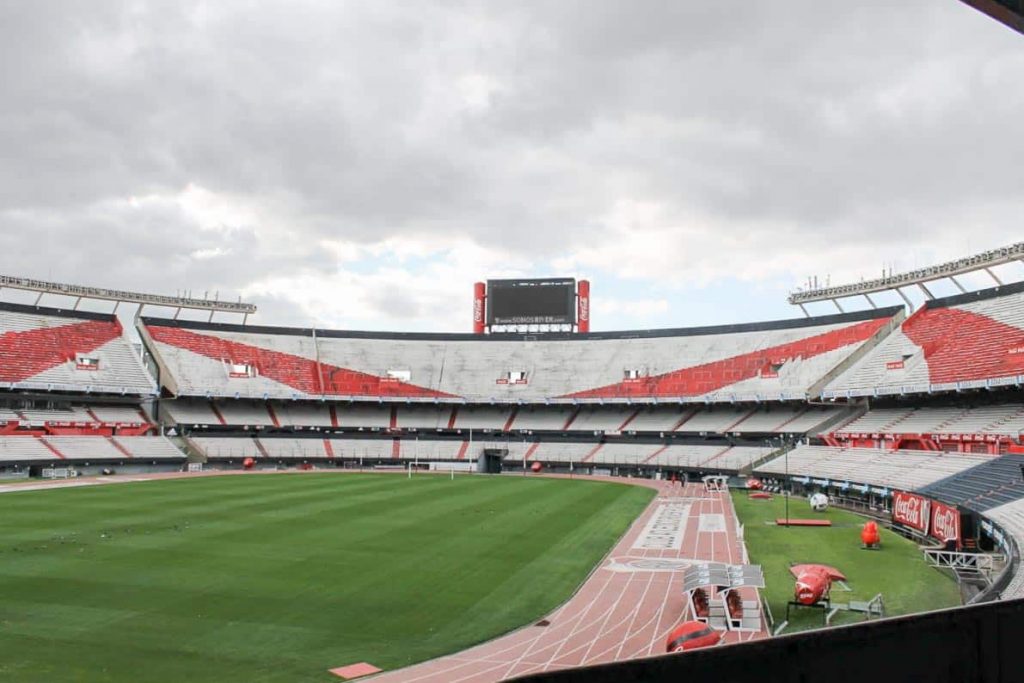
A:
{"x": 869, "y": 535}
{"x": 754, "y": 484}
{"x": 536, "y": 467}
{"x": 691, "y": 635}
{"x": 813, "y": 582}
{"x": 248, "y": 463}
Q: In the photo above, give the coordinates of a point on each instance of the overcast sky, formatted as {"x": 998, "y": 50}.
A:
{"x": 361, "y": 164}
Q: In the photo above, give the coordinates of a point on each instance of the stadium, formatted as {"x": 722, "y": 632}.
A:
{"x": 376, "y": 465}
{"x": 192, "y": 492}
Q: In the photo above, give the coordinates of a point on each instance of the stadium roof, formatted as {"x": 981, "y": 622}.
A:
{"x": 1009, "y": 12}
{"x": 120, "y": 296}
{"x": 921, "y": 276}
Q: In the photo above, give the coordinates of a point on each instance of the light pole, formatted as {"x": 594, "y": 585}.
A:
{"x": 789, "y": 487}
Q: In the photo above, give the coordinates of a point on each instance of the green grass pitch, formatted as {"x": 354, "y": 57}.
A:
{"x": 897, "y": 571}
{"x": 281, "y": 577}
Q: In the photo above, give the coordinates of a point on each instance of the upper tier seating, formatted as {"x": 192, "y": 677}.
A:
{"x": 42, "y": 348}
{"x": 1010, "y": 516}
{"x": 761, "y": 361}
{"x": 909, "y": 470}
{"x": 994, "y": 482}
{"x": 972, "y": 340}
{"x": 1007, "y": 419}
{"x": 87, "y": 448}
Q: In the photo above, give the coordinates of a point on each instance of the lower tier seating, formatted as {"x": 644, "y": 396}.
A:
{"x": 28, "y": 449}
{"x": 909, "y": 470}
{"x": 721, "y": 458}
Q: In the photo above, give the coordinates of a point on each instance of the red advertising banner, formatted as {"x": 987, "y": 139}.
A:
{"x": 945, "y": 523}
{"x": 479, "y": 307}
{"x": 911, "y": 510}
{"x": 583, "y": 306}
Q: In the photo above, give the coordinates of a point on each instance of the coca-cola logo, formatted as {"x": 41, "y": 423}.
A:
{"x": 911, "y": 510}
{"x": 584, "y": 308}
{"x": 478, "y": 310}
{"x": 946, "y": 524}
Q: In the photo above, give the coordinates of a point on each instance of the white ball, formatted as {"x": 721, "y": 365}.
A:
{"x": 819, "y": 502}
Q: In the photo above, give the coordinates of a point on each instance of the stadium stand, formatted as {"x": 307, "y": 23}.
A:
{"x": 248, "y": 413}
{"x": 907, "y": 470}
{"x": 356, "y": 415}
{"x": 482, "y": 417}
{"x": 719, "y": 458}
{"x": 24, "y": 449}
{"x": 1010, "y": 516}
{"x": 763, "y": 361}
{"x": 188, "y": 412}
{"x": 1005, "y": 419}
{"x": 87, "y": 448}
{"x": 423, "y": 417}
{"x": 966, "y": 341}
{"x": 113, "y": 414}
{"x": 56, "y": 350}
{"x": 296, "y": 414}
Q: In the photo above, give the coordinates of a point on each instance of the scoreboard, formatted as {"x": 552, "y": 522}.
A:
{"x": 550, "y": 301}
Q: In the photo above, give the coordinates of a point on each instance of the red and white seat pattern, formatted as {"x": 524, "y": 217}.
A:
{"x": 755, "y": 362}
{"x": 48, "y": 349}
{"x": 945, "y": 346}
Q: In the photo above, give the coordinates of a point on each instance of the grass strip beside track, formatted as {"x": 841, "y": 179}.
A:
{"x": 897, "y": 571}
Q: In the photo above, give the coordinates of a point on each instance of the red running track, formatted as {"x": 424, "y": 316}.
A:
{"x": 624, "y": 610}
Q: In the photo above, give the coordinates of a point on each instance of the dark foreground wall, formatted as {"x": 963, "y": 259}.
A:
{"x": 983, "y": 643}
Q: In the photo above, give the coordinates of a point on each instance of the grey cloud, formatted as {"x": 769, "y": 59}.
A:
{"x": 830, "y": 121}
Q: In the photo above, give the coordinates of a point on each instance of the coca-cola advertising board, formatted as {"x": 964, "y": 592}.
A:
{"x": 945, "y": 523}
{"x": 911, "y": 510}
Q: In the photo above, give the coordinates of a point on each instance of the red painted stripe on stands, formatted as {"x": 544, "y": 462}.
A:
{"x": 709, "y": 377}
{"x": 628, "y": 420}
{"x": 53, "y": 449}
{"x": 655, "y": 454}
{"x": 31, "y": 352}
{"x": 217, "y": 413}
{"x": 118, "y": 446}
{"x": 294, "y": 371}
{"x": 592, "y": 453}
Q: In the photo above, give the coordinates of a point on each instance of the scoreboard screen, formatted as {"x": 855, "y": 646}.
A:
{"x": 531, "y": 302}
